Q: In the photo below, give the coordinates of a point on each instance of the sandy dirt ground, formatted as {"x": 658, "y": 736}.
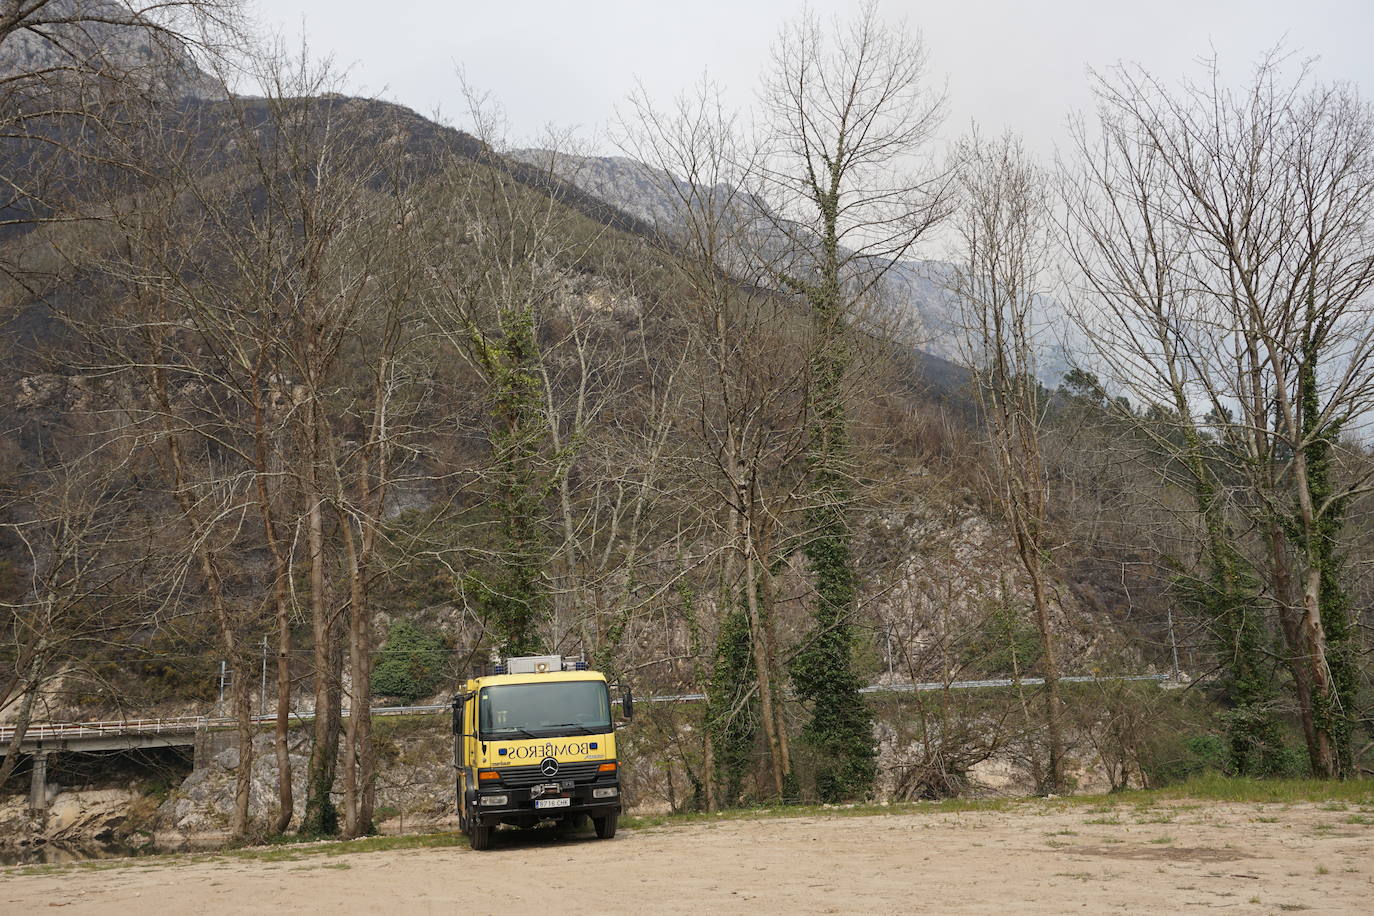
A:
{"x": 1033, "y": 858}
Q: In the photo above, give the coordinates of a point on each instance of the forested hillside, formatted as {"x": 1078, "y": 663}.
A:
{"x": 350, "y": 401}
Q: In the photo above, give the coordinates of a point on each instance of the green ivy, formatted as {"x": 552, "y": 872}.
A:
{"x": 321, "y": 817}
{"x": 732, "y": 715}
{"x": 1227, "y": 601}
{"x": 516, "y": 601}
{"x": 840, "y": 730}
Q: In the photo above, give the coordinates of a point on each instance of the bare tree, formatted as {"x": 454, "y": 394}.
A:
{"x": 1003, "y": 227}
{"x": 849, "y": 112}
{"x": 492, "y": 284}
{"x": 749, "y": 379}
{"x": 81, "y": 577}
{"x": 1258, "y": 203}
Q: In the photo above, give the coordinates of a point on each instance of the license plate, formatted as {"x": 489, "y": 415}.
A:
{"x": 552, "y": 802}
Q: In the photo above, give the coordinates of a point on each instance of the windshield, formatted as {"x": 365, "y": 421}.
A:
{"x": 544, "y": 710}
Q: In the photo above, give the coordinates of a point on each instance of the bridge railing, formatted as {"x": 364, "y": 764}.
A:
{"x": 57, "y": 730}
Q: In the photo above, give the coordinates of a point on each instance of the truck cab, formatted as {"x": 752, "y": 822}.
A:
{"x": 536, "y": 741}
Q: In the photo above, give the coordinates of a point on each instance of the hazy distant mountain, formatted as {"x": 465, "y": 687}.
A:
{"x": 69, "y": 39}
{"x": 621, "y": 182}
{"x": 915, "y": 289}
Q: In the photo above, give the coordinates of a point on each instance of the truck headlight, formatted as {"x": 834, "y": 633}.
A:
{"x": 605, "y": 793}
{"x": 492, "y": 800}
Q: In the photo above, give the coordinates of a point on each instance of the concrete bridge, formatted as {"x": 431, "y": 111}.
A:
{"x": 42, "y": 740}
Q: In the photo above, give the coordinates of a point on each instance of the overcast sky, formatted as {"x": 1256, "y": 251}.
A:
{"x": 1008, "y": 64}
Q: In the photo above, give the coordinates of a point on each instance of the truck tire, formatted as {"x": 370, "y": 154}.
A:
{"x": 479, "y": 835}
{"x": 605, "y": 826}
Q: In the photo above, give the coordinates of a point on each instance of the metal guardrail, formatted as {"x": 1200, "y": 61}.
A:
{"x": 186, "y": 724}
{"x": 1010, "y": 682}
{"x": 952, "y": 685}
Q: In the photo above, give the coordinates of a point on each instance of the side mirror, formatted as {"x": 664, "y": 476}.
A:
{"x": 627, "y": 704}
{"x": 457, "y": 715}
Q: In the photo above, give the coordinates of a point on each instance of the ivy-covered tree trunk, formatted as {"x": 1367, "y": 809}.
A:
{"x": 518, "y": 601}
{"x": 1290, "y": 621}
{"x": 1227, "y": 599}
{"x": 321, "y": 815}
{"x": 1254, "y": 740}
{"x": 1333, "y": 708}
{"x": 1336, "y": 713}
{"x": 732, "y": 718}
{"x": 840, "y": 731}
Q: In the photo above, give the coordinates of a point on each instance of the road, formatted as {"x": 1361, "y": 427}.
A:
{"x": 41, "y": 732}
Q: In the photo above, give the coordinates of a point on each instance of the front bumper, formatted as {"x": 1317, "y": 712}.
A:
{"x": 520, "y": 803}
{"x": 523, "y": 786}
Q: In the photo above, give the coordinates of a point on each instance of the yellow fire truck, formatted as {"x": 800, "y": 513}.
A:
{"x": 536, "y": 741}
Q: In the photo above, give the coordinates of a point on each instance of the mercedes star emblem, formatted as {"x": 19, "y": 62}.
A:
{"x": 548, "y": 766}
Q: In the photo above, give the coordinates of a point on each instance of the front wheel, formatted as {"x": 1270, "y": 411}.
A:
{"x": 479, "y": 835}
{"x": 605, "y": 826}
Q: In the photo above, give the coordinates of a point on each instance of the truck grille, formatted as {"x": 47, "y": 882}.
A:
{"x": 519, "y": 777}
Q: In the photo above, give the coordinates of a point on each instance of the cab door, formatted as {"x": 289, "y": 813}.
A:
{"x": 464, "y": 748}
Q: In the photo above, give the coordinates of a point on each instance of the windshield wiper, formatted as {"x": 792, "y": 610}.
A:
{"x": 513, "y": 728}
{"x": 585, "y": 729}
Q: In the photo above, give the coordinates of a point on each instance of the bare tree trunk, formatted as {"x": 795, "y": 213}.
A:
{"x": 358, "y": 706}
{"x": 281, "y": 570}
{"x": 1289, "y": 620}
{"x": 358, "y": 757}
{"x": 282, "y": 728}
{"x": 762, "y": 662}
{"x": 242, "y": 693}
{"x": 1054, "y": 781}
{"x": 321, "y": 817}
{"x": 708, "y": 770}
{"x": 21, "y": 728}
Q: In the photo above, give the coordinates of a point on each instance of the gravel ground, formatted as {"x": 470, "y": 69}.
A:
{"x": 1168, "y": 857}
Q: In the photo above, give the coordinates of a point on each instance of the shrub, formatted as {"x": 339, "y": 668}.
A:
{"x": 1006, "y": 642}
{"x": 410, "y": 665}
{"x": 1195, "y": 755}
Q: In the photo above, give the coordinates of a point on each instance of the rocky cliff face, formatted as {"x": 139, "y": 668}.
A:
{"x": 414, "y": 785}
{"x": 71, "y": 40}
{"x": 76, "y": 818}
